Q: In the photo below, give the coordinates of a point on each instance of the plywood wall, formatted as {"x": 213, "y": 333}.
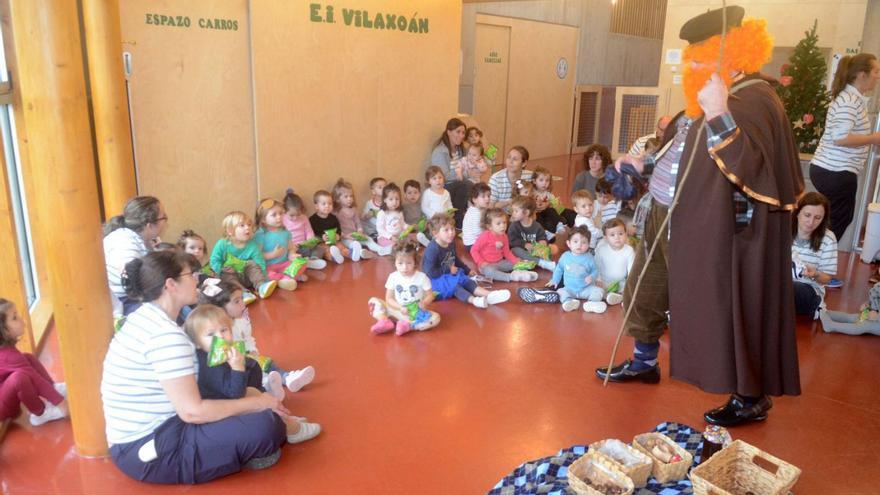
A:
{"x": 191, "y": 106}
{"x": 540, "y": 105}
{"x": 334, "y": 99}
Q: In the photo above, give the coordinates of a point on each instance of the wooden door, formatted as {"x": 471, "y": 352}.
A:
{"x": 491, "y": 60}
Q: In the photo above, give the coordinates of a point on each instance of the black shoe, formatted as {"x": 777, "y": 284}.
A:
{"x": 622, "y": 373}
{"x": 531, "y": 295}
{"x": 737, "y": 412}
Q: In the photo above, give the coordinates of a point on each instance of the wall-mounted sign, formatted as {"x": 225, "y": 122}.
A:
{"x": 673, "y": 56}
{"x": 562, "y": 68}
{"x": 493, "y": 58}
{"x": 184, "y": 21}
{"x": 676, "y": 79}
{"x": 364, "y": 19}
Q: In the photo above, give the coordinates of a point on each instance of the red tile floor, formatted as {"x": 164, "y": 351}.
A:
{"x": 454, "y": 409}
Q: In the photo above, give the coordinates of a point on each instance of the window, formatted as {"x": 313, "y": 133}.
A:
{"x": 642, "y": 18}
{"x": 24, "y": 238}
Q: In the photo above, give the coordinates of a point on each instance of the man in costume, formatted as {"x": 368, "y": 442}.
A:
{"x": 723, "y": 268}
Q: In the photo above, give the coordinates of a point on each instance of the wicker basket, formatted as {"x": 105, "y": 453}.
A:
{"x": 740, "y": 468}
{"x": 638, "y": 471}
{"x": 590, "y": 463}
{"x": 662, "y": 471}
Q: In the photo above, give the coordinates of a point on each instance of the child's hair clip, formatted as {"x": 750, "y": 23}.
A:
{"x": 210, "y": 287}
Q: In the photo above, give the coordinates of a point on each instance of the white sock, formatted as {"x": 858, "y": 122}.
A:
{"x": 355, "y": 250}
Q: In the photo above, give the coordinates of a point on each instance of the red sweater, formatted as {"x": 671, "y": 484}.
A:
{"x": 485, "y": 249}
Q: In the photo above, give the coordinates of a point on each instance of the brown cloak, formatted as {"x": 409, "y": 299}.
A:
{"x": 731, "y": 299}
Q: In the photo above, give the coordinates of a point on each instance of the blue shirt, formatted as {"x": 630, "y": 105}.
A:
{"x": 268, "y": 240}
{"x": 572, "y": 269}
{"x": 437, "y": 260}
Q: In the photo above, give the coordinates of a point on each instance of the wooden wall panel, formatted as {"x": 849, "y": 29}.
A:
{"x": 192, "y": 107}
{"x": 339, "y": 100}
{"x": 540, "y": 105}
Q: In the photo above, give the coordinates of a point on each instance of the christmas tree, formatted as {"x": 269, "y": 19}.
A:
{"x": 802, "y": 90}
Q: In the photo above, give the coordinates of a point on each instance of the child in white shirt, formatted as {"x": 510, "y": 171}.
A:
{"x": 614, "y": 259}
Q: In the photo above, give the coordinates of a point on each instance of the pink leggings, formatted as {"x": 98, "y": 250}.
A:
{"x": 276, "y": 271}
{"x": 26, "y": 386}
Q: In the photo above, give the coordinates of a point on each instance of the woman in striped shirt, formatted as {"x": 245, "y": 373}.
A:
{"x": 847, "y": 138}
{"x": 813, "y": 253}
{"x": 159, "y": 428}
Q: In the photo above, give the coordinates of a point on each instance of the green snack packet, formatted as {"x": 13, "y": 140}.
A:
{"x": 310, "y": 243}
{"x": 117, "y": 323}
{"x": 409, "y": 230}
{"x": 207, "y": 270}
{"x": 217, "y": 355}
{"x": 263, "y": 361}
{"x": 863, "y": 316}
{"x": 540, "y": 250}
{"x": 614, "y": 287}
{"x": 235, "y": 263}
{"x": 359, "y": 237}
{"x": 491, "y": 151}
{"x": 413, "y": 310}
{"x": 525, "y": 265}
{"x": 296, "y": 267}
{"x": 451, "y": 211}
{"x": 332, "y": 236}
{"x": 557, "y": 205}
{"x": 422, "y": 224}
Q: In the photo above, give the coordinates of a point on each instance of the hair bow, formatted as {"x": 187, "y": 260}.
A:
{"x": 210, "y": 287}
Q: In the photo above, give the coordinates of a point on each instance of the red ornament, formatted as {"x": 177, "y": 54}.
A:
{"x": 783, "y": 69}
{"x": 808, "y": 118}
{"x": 785, "y": 80}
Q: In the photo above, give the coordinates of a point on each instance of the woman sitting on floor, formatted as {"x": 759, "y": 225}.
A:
{"x": 813, "y": 253}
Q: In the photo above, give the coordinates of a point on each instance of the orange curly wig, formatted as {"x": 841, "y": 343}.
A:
{"x": 746, "y": 49}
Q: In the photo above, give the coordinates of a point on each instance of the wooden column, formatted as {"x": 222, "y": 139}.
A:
{"x": 109, "y": 103}
{"x": 49, "y": 76}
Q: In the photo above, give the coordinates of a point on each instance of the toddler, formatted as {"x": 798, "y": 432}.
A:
{"x": 274, "y": 242}
{"x": 491, "y": 252}
{"x": 577, "y": 269}
{"x": 448, "y": 274}
{"x": 371, "y": 209}
{"x": 584, "y": 207}
{"x": 297, "y": 223}
{"x": 238, "y": 257}
{"x": 474, "y": 136}
{"x": 472, "y": 224}
{"x": 350, "y": 222}
{"x": 474, "y": 165}
{"x": 552, "y": 219}
{"x": 436, "y": 198}
{"x": 323, "y": 220}
{"x": 194, "y": 244}
{"x": 389, "y": 222}
{"x": 23, "y": 380}
{"x": 614, "y": 259}
{"x": 238, "y": 376}
{"x": 607, "y": 205}
{"x": 407, "y": 295}
{"x": 228, "y": 296}
{"x": 525, "y": 234}
{"x": 412, "y": 203}
{"x": 867, "y": 320}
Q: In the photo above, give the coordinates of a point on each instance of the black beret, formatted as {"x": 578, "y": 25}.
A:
{"x": 704, "y": 26}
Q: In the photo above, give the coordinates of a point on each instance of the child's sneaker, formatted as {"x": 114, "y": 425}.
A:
{"x": 61, "y": 388}
{"x": 273, "y": 385}
{"x": 295, "y": 380}
{"x": 385, "y": 250}
{"x": 402, "y": 327}
{"x": 50, "y": 413}
{"x": 336, "y": 254}
{"x": 595, "y": 307}
{"x": 834, "y": 283}
{"x": 531, "y": 295}
{"x": 523, "y": 276}
{"x": 316, "y": 264}
{"x": 287, "y": 284}
{"x": 356, "y": 251}
{"x": 248, "y": 297}
{"x": 423, "y": 239}
{"x": 302, "y": 277}
{"x": 498, "y": 296}
{"x": 613, "y": 298}
{"x": 267, "y": 288}
{"x": 307, "y": 431}
{"x": 570, "y": 305}
{"x": 547, "y": 265}
{"x": 382, "y": 326}
{"x": 480, "y": 302}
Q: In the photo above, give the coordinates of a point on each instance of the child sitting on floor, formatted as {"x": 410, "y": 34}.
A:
{"x": 584, "y": 207}
{"x": 491, "y": 252}
{"x": 228, "y": 296}
{"x": 326, "y": 227}
{"x": 526, "y": 236}
{"x": 546, "y": 203}
{"x": 372, "y": 207}
{"x": 472, "y": 224}
{"x": 577, "y": 270}
{"x": 408, "y": 293}
{"x": 448, "y": 274}
{"x": 297, "y": 223}
{"x": 473, "y": 165}
{"x": 389, "y": 222}
{"x": 237, "y": 376}
{"x": 353, "y": 236}
{"x": 194, "y": 244}
{"x": 274, "y": 242}
{"x": 239, "y": 258}
{"x": 412, "y": 202}
{"x": 23, "y": 380}
{"x": 607, "y": 205}
{"x": 435, "y": 199}
{"x": 614, "y": 259}
{"x": 867, "y": 320}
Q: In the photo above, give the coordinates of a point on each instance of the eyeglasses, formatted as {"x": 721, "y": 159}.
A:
{"x": 194, "y": 274}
